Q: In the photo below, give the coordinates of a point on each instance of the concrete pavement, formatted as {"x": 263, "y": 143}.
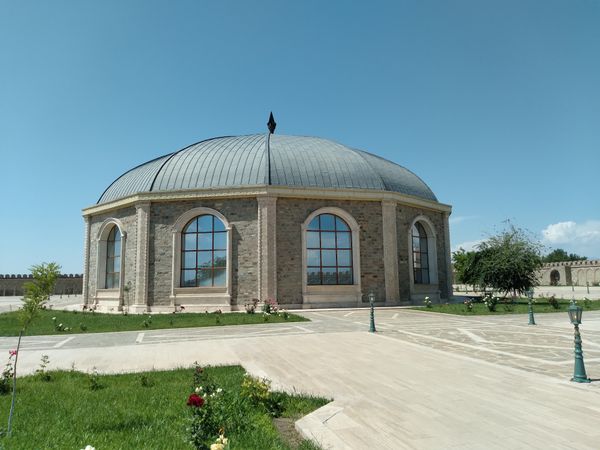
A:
{"x": 424, "y": 381}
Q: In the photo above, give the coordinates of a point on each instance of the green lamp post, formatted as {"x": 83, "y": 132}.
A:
{"x": 531, "y": 317}
{"x": 372, "y": 303}
{"x": 579, "y": 374}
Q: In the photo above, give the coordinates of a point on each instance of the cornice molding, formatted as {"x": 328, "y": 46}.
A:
{"x": 271, "y": 191}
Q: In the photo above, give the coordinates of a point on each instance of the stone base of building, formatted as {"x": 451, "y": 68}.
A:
{"x": 418, "y": 298}
{"x": 332, "y": 297}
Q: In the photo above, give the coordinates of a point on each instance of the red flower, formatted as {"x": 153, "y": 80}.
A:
{"x": 195, "y": 400}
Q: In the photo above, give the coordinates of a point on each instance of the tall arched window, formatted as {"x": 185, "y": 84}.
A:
{"x": 420, "y": 254}
{"x": 204, "y": 252}
{"x": 329, "y": 251}
{"x": 113, "y": 259}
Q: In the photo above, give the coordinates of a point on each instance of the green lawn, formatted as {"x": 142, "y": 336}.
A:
{"x": 88, "y": 322}
{"x": 126, "y": 413}
{"x": 519, "y": 306}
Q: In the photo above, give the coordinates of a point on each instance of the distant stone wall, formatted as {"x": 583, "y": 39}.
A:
{"x": 567, "y": 273}
{"x": 67, "y": 284}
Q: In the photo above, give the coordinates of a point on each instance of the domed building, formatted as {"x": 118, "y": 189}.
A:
{"x": 303, "y": 220}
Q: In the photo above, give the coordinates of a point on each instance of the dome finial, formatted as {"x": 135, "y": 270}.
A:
{"x": 271, "y": 124}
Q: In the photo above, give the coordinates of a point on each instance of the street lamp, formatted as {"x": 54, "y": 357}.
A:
{"x": 579, "y": 374}
{"x": 372, "y": 303}
{"x": 530, "y": 296}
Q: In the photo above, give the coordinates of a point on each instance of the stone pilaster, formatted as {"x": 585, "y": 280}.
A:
{"x": 86, "y": 260}
{"x": 390, "y": 252}
{"x": 141, "y": 257}
{"x": 267, "y": 251}
{"x": 449, "y": 274}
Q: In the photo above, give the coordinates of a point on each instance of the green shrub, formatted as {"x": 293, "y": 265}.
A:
{"x": 145, "y": 381}
{"x": 7, "y": 375}
{"x": 553, "y": 302}
{"x": 94, "y": 380}
{"x": 42, "y": 373}
{"x": 490, "y": 302}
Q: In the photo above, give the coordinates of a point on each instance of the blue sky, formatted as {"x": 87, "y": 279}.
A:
{"x": 495, "y": 104}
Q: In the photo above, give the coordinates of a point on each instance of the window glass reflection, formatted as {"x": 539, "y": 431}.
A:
{"x": 204, "y": 252}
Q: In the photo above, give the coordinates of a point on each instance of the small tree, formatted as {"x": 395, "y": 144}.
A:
{"x": 508, "y": 261}
{"x": 37, "y": 293}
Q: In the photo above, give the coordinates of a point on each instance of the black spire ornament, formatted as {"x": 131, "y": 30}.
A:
{"x": 271, "y": 124}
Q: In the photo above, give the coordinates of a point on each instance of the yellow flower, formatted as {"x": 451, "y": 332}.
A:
{"x": 217, "y": 447}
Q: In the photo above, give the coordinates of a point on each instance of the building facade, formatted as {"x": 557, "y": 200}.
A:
{"x": 303, "y": 220}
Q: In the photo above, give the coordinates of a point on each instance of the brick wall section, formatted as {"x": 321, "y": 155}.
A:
{"x": 127, "y": 216}
{"x": 291, "y": 214}
{"x": 405, "y": 216}
{"x": 241, "y": 214}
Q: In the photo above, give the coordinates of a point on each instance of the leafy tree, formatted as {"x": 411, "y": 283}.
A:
{"x": 37, "y": 293}
{"x": 560, "y": 255}
{"x": 508, "y": 261}
{"x": 465, "y": 267}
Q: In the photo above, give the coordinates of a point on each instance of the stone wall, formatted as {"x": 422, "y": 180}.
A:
{"x": 291, "y": 214}
{"x": 241, "y": 214}
{"x": 127, "y": 216}
{"x": 12, "y": 285}
{"x": 405, "y": 217}
{"x": 567, "y": 273}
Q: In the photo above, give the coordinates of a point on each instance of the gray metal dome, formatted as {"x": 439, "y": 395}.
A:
{"x": 237, "y": 161}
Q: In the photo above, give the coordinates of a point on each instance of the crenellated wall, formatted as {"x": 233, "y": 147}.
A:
{"x": 567, "y": 273}
{"x": 67, "y": 284}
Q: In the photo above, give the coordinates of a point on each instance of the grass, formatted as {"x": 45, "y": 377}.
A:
{"x": 519, "y": 306}
{"x": 128, "y": 413}
{"x": 88, "y": 322}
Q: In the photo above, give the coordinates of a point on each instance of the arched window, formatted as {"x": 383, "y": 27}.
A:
{"x": 329, "y": 251}
{"x": 420, "y": 254}
{"x": 204, "y": 252}
{"x": 113, "y": 259}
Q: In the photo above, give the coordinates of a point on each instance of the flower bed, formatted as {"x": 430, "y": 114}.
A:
{"x": 148, "y": 410}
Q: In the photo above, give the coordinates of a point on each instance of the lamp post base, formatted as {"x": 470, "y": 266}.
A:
{"x": 581, "y": 380}
{"x": 372, "y": 320}
{"x": 531, "y": 317}
{"x": 579, "y": 373}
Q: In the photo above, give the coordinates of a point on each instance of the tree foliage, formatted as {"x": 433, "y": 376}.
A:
{"x": 506, "y": 262}
{"x": 465, "y": 267}
{"x": 559, "y": 255}
{"x": 38, "y": 291}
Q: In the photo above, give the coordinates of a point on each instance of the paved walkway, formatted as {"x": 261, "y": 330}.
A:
{"x": 424, "y": 381}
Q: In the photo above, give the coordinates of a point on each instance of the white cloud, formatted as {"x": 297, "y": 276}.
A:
{"x": 581, "y": 238}
{"x": 468, "y": 245}
{"x": 572, "y": 233}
